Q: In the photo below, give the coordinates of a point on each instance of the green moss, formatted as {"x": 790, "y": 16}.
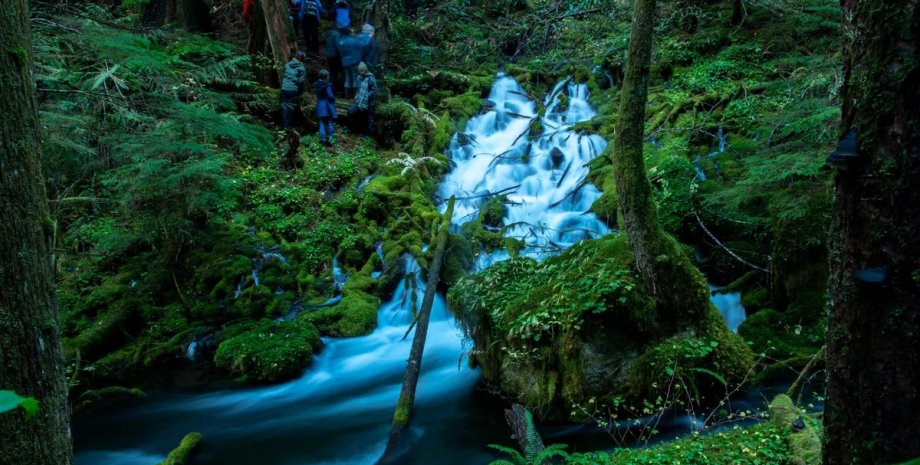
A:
{"x": 267, "y": 351}
{"x": 105, "y": 396}
{"x": 763, "y": 443}
{"x": 805, "y": 445}
{"x": 459, "y": 257}
{"x": 354, "y": 315}
{"x": 708, "y": 362}
{"x": 755, "y": 299}
{"x": 180, "y": 455}
{"x": 773, "y": 333}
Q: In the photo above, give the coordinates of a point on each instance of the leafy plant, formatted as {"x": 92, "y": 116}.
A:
{"x": 9, "y": 400}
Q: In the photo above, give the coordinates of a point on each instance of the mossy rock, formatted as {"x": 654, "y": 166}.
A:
{"x": 458, "y": 259}
{"x": 355, "y": 315}
{"x": 107, "y": 396}
{"x": 267, "y": 351}
{"x": 775, "y": 334}
{"x": 180, "y": 455}
{"x": 708, "y": 362}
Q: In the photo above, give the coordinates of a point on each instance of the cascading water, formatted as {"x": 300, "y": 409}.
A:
{"x": 339, "y": 411}
{"x": 548, "y": 200}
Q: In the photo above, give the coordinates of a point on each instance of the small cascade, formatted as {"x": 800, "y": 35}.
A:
{"x": 383, "y": 263}
{"x": 543, "y": 175}
{"x": 266, "y": 255}
{"x": 199, "y": 344}
{"x": 365, "y": 182}
{"x": 338, "y": 276}
{"x": 698, "y": 161}
{"x": 729, "y": 305}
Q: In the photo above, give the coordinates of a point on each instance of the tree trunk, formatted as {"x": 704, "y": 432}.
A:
{"x": 382, "y": 30}
{"x": 31, "y": 360}
{"x": 677, "y": 285}
{"x": 279, "y": 29}
{"x": 737, "y": 12}
{"x": 260, "y": 49}
{"x": 413, "y": 368}
{"x": 874, "y": 286}
{"x": 192, "y": 15}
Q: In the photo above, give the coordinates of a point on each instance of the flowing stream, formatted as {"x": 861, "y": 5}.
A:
{"x": 339, "y": 411}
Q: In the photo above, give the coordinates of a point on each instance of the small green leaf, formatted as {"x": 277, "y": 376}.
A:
{"x": 9, "y": 400}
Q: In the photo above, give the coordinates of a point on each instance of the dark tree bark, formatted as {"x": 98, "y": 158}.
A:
{"x": 874, "y": 319}
{"x": 259, "y": 48}
{"x": 737, "y": 12}
{"x": 669, "y": 275}
{"x": 382, "y": 29}
{"x": 31, "y": 360}
{"x": 192, "y": 15}
{"x": 279, "y": 29}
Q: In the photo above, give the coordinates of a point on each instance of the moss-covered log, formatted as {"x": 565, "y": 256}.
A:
{"x": 181, "y": 454}
{"x": 407, "y": 395}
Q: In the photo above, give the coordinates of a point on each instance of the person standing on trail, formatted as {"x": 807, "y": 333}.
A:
{"x": 325, "y": 107}
{"x": 334, "y": 58}
{"x": 294, "y": 15}
{"x": 310, "y": 11}
{"x": 370, "y": 53}
{"x": 291, "y": 86}
{"x": 362, "y": 111}
{"x": 350, "y": 49}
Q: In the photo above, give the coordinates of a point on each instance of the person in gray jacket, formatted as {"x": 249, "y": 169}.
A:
{"x": 291, "y": 86}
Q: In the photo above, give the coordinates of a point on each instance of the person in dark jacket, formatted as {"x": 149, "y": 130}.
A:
{"x": 342, "y": 11}
{"x": 291, "y": 86}
{"x": 350, "y": 50}
{"x": 361, "y": 112}
{"x": 325, "y": 106}
{"x": 334, "y": 59}
{"x": 310, "y": 11}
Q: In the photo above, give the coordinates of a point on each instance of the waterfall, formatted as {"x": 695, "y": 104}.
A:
{"x": 543, "y": 175}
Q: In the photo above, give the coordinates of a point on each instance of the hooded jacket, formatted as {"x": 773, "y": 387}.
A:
{"x": 294, "y": 75}
{"x": 325, "y": 100}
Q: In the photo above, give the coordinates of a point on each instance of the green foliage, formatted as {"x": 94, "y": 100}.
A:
{"x": 547, "y": 455}
{"x": 9, "y": 400}
{"x": 760, "y": 444}
{"x": 529, "y": 300}
{"x": 267, "y": 351}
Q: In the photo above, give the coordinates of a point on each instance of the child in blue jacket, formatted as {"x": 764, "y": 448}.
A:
{"x": 325, "y": 106}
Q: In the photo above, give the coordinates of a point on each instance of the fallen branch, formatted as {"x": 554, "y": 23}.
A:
{"x": 726, "y": 249}
{"x": 403, "y": 411}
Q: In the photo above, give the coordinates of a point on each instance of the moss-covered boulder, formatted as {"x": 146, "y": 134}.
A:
{"x": 355, "y": 314}
{"x": 267, "y": 351}
{"x": 581, "y": 326}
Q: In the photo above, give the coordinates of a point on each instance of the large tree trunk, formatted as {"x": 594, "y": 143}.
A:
{"x": 192, "y": 15}
{"x": 31, "y": 360}
{"x": 382, "y": 30}
{"x": 668, "y": 274}
{"x": 279, "y": 29}
{"x": 874, "y": 320}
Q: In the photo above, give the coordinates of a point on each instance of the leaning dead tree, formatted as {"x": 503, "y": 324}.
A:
{"x": 413, "y": 369}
